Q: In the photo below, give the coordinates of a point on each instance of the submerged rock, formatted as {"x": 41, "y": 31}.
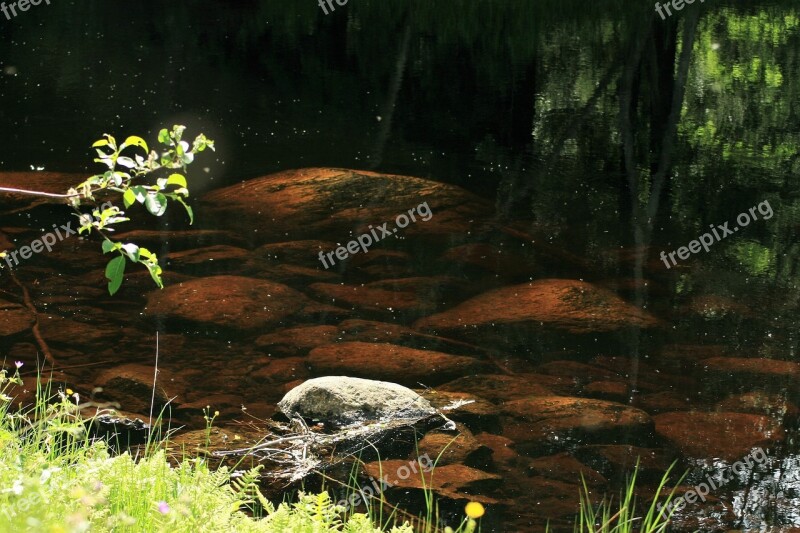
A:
{"x": 345, "y": 401}
{"x": 539, "y": 424}
{"x": 729, "y": 436}
{"x": 516, "y": 313}
{"x": 319, "y": 203}
{"x": 14, "y": 318}
{"x": 373, "y": 299}
{"x": 297, "y": 340}
{"x": 131, "y": 385}
{"x": 500, "y": 388}
{"x": 390, "y": 362}
{"x": 453, "y": 481}
{"x": 230, "y": 301}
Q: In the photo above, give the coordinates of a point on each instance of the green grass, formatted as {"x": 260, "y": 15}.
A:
{"x": 607, "y": 517}
{"x": 54, "y": 478}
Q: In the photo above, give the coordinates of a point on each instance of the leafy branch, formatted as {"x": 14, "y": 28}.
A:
{"x": 123, "y": 176}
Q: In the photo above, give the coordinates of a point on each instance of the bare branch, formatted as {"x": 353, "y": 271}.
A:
{"x": 38, "y": 193}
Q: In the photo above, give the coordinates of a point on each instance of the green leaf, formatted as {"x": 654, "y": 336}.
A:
{"x": 177, "y": 132}
{"x": 177, "y": 179}
{"x": 126, "y": 162}
{"x": 147, "y": 254}
{"x": 188, "y": 209}
{"x": 134, "y": 141}
{"x": 118, "y": 177}
{"x": 156, "y": 204}
{"x": 163, "y": 136}
{"x": 128, "y": 198}
{"x": 109, "y": 246}
{"x": 155, "y": 273}
{"x": 101, "y": 142}
{"x": 114, "y": 272}
{"x": 132, "y": 250}
{"x": 141, "y": 193}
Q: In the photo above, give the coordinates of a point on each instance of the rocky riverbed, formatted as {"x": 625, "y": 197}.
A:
{"x": 557, "y": 371}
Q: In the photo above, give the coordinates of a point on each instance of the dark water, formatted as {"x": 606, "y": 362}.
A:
{"x": 596, "y": 127}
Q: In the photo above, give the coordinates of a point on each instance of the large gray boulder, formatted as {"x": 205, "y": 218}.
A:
{"x": 345, "y": 401}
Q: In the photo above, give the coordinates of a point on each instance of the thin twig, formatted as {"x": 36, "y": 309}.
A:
{"x": 26, "y": 298}
{"x": 264, "y": 445}
{"x": 155, "y": 378}
{"x": 38, "y": 193}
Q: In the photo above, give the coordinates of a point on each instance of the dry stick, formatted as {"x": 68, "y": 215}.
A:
{"x": 26, "y": 298}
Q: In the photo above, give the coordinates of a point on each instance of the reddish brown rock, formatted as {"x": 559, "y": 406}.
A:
{"x": 443, "y": 290}
{"x": 62, "y": 330}
{"x": 652, "y": 374}
{"x": 389, "y": 362}
{"x": 5, "y": 242}
{"x": 138, "y": 281}
{"x": 503, "y": 452}
{"x": 775, "y": 406}
{"x": 550, "y": 422}
{"x": 325, "y": 203}
{"x": 581, "y": 373}
{"x": 373, "y": 331}
{"x": 297, "y": 341}
{"x": 270, "y": 371}
{"x": 230, "y": 301}
{"x": 546, "y": 500}
{"x": 615, "y": 391}
{"x": 227, "y": 405}
{"x": 752, "y": 368}
{"x": 290, "y": 274}
{"x": 366, "y": 298}
{"x": 455, "y": 448}
{"x": 619, "y": 460}
{"x": 452, "y": 481}
{"x": 132, "y": 387}
{"x": 321, "y": 313}
{"x": 474, "y": 412}
{"x": 560, "y": 304}
{"x": 500, "y": 388}
{"x": 564, "y": 467}
{"x": 302, "y": 253}
{"x": 662, "y": 402}
{"x": 728, "y": 436}
{"x": 14, "y": 318}
{"x": 211, "y": 259}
